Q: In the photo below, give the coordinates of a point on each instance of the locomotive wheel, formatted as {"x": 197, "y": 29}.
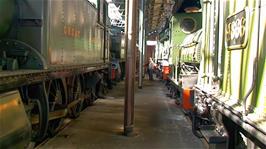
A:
{"x": 75, "y": 91}
{"x": 104, "y": 87}
{"x": 36, "y": 96}
{"x": 89, "y": 97}
{"x": 57, "y": 100}
{"x": 100, "y": 89}
{"x": 86, "y": 92}
{"x": 89, "y": 90}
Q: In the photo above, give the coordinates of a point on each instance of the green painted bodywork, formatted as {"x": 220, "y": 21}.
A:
{"x": 53, "y": 34}
{"x": 235, "y": 68}
{"x": 190, "y": 48}
{"x": 178, "y": 35}
{"x": 7, "y": 7}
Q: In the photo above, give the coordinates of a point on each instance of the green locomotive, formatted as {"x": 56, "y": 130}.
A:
{"x": 229, "y": 104}
{"x": 54, "y": 60}
{"x": 232, "y": 73}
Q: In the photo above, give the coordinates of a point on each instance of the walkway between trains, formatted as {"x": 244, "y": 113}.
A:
{"x": 159, "y": 123}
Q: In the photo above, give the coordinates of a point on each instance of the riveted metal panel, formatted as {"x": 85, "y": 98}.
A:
{"x": 65, "y": 32}
{"x": 32, "y": 24}
{"x": 75, "y": 36}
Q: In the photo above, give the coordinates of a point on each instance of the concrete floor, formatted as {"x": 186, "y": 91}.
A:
{"x": 159, "y": 123}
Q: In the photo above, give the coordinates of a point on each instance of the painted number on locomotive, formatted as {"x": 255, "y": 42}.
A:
{"x": 236, "y": 30}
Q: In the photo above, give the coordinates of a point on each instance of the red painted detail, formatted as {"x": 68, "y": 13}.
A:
{"x": 166, "y": 72}
{"x": 187, "y": 94}
{"x": 113, "y": 74}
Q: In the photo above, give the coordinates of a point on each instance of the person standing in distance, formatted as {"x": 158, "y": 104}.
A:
{"x": 150, "y": 68}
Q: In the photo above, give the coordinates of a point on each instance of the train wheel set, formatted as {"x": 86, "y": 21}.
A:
{"x": 47, "y": 103}
{"x": 53, "y": 64}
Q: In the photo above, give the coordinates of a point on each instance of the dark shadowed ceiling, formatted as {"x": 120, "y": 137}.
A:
{"x": 159, "y": 12}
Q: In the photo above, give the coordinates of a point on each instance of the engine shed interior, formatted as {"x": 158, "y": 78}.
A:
{"x": 132, "y": 74}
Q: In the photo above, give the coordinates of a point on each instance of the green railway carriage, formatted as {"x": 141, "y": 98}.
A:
{"x": 231, "y": 87}
{"x": 54, "y": 59}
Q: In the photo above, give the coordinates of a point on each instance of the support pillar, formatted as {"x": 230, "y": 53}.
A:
{"x": 141, "y": 31}
{"x": 130, "y": 28}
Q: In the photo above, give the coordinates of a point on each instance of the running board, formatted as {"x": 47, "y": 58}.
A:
{"x": 52, "y": 115}
{"x": 212, "y": 137}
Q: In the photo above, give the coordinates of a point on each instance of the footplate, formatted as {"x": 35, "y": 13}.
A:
{"x": 212, "y": 137}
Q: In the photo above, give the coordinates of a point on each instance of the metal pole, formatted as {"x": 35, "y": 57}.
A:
{"x": 131, "y": 10}
{"x": 141, "y": 31}
{"x": 144, "y": 40}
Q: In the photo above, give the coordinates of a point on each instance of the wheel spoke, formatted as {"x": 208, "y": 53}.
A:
{"x": 52, "y": 95}
{"x": 75, "y": 92}
{"x": 56, "y": 85}
{"x": 52, "y": 87}
{"x": 56, "y": 97}
{"x": 52, "y": 106}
